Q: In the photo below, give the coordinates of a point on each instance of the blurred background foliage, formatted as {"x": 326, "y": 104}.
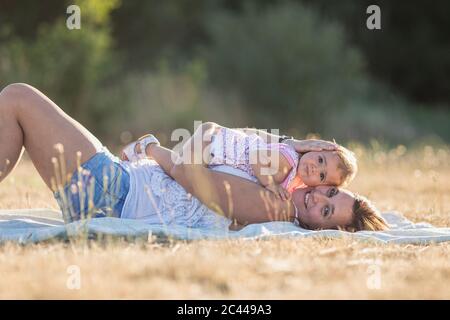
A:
{"x": 301, "y": 66}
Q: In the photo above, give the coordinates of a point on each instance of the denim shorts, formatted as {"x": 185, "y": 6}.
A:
{"x": 97, "y": 189}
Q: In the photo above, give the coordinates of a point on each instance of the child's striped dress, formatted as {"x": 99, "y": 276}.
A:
{"x": 232, "y": 147}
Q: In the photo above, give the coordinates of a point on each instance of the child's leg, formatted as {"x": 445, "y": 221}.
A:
{"x": 196, "y": 149}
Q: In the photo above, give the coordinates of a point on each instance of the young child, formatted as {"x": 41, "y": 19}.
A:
{"x": 276, "y": 166}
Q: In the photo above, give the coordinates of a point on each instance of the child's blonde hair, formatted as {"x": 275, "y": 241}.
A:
{"x": 347, "y": 165}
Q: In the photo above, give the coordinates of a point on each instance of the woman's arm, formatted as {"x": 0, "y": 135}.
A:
{"x": 166, "y": 158}
{"x": 228, "y": 195}
{"x": 232, "y": 196}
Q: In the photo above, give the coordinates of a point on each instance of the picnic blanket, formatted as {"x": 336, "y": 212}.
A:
{"x": 36, "y": 225}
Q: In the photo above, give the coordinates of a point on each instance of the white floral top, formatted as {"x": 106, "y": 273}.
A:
{"x": 158, "y": 199}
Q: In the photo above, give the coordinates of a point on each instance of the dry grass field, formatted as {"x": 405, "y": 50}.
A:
{"x": 415, "y": 182}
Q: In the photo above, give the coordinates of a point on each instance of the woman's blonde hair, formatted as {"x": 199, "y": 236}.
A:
{"x": 366, "y": 216}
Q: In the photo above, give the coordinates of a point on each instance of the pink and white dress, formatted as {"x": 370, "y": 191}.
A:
{"x": 232, "y": 147}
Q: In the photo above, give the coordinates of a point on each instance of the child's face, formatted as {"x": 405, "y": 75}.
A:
{"x": 319, "y": 168}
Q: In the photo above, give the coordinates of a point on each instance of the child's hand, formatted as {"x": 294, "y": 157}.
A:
{"x": 279, "y": 191}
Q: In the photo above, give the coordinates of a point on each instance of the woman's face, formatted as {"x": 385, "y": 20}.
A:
{"x": 324, "y": 207}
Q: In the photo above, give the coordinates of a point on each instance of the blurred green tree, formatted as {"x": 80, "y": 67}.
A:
{"x": 69, "y": 65}
{"x": 289, "y": 65}
{"x": 302, "y": 64}
{"x": 411, "y": 52}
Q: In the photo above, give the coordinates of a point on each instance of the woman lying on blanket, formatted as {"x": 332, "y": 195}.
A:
{"x": 88, "y": 180}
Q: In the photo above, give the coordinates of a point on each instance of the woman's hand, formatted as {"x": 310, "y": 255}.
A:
{"x": 132, "y": 152}
{"x": 302, "y": 146}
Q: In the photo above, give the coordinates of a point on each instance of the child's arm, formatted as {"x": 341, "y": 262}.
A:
{"x": 271, "y": 168}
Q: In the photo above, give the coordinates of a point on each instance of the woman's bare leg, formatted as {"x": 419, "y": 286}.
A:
{"x": 30, "y": 119}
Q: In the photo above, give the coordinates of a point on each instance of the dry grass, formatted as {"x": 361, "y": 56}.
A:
{"x": 414, "y": 182}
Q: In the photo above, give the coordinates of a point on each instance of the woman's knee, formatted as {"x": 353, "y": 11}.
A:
{"x": 11, "y": 95}
{"x": 15, "y": 89}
